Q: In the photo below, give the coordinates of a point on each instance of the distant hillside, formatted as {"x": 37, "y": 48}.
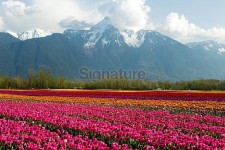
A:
{"x": 104, "y": 47}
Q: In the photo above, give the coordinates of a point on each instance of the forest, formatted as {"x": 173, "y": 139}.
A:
{"x": 45, "y": 80}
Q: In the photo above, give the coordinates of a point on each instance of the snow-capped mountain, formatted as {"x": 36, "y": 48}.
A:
{"x": 102, "y": 25}
{"x": 210, "y": 45}
{"x": 110, "y": 47}
{"x": 92, "y": 35}
{"x": 105, "y": 33}
{"x": 12, "y": 33}
{"x": 35, "y": 33}
{"x": 6, "y": 38}
{"x": 105, "y": 47}
{"x": 132, "y": 38}
{"x": 97, "y": 33}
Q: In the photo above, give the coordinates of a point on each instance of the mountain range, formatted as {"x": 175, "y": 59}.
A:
{"x": 35, "y": 33}
{"x": 105, "y": 47}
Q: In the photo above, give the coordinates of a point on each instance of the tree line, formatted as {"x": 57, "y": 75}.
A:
{"x": 45, "y": 80}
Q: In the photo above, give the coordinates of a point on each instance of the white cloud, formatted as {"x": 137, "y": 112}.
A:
{"x": 19, "y": 16}
{"x": 179, "y": 27}
{"x": 73, "y": 23}
{"x": 47, "y": 14}
{"x": 2, "y": 25}
{"x": 15, "y": 8}
{"x": 179, "y": 24}
{"x": 216, "y": 33}
{"x": 133, "y": 14}
{"x": 56, "y": 15}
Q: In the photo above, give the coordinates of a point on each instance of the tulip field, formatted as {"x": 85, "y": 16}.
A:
{"x": 111, "y": 120}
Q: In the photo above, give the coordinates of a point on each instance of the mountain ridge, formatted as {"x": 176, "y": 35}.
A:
{"x": 209, "y": 45}
{"x": 31, "y": 34}
{"x": 105, "y": 47}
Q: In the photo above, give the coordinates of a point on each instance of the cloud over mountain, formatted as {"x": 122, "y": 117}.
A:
{"x": 2, "y": 25}
{"x": 126, "y": 13}
{"x": 73, "y": 23}
{"x": 179, "y": 27}
{"x": 14, "y": 8}
{"x": 57, "y": 15}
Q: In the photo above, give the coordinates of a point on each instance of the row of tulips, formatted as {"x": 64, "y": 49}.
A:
{"x": 22, "y": 135}
{"x": 140, "y": 95}
{"x": 137, "y": 128}
{"x": 117, "y": 115}
{"x": 213, "y": 107}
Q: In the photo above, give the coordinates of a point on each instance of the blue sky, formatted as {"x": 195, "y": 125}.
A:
{"x": 183, "y": 20}
{"x": 205, "y": 13}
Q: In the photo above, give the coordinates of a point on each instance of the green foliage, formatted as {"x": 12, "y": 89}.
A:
{"x": 45, "y": 80}
{"x": 148, "y": 85}
{"x": 41, "y": 80}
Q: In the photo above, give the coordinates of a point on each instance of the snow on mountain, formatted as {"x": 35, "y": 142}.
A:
{"x": 102, "y": 25}
{"x": 149, "y": 37}
{"x": 36, "y": 33}
{"x": 96, "y": 32}
{"x": 106, "y": 33}
{"x": 103, "y": 32}
{"x": 132, "y": 38}
{"x": 12, "y": 33}
{"x": 221, "y": 50}
{"x": 208, "y": 46}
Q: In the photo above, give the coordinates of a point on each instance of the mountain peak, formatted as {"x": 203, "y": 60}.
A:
{"x": 107, "y": 18}
{"x": 12, "y": 33}
{"x": 209, "y": 45}
{"x": 103, "y": 24}
{"x": 35, "y": 33}
{"x": 210, "y": 41}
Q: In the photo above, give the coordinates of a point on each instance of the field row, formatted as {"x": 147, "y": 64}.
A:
{"x": 206, "y": 105}
{"x": 61, "y": 125}
{"x": 111, "y": 120}
{"x": 140, "y": 95}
